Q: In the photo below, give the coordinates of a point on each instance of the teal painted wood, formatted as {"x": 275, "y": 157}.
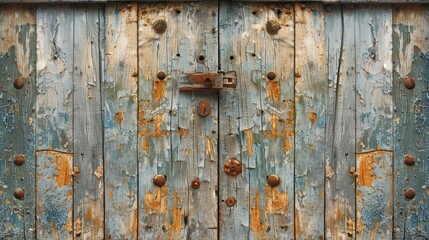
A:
{"x": 17, "y": 137}
{"x": 374, "y": 197}
{"x": 88, "y": 193}
{"x": 120, "y": 121}
{"x": 311, "y": 91}
{"x": 410, "y": 63}
{"x": 54, "y": 132}
{"x": 340, "y": 190}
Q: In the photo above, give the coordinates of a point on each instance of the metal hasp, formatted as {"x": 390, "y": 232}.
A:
{"x": 207, "y": 81}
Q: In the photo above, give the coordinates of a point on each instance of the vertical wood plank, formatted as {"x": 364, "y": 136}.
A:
{"x": 120, "y": 121}
{"x": 310, "y": 101}
{"x": 411, "y": 126}
{"x": 277, "y": 102}
{"x": 88, "y": 195}
{"x": 54, "y": 133}
{"x": 17, "y": 136}
{"x": 340, "y": 143}
{"x": 374, "y": 196}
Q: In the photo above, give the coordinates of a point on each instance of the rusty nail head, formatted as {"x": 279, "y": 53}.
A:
{"x": 409, "y": 160}
{"x": 159, "y": 26}
{"x": 159, "y": 180}
{"x": 409, "y": 83}
{"x": 409, "y": 193}
{"x": 273, "y": 180}
{"x": 196, "y": 183}
{"x": 231, "y": 201}
{"x": 203, "y": 108}
{"x": 273, "y": 27}
{"x": 208, "y": 82}
{"x": 232, "y": 167}
{"x": 161, "y": 75}
{"x": 19, "y": 193}
{"x": 19, "y": 83}
{"x": 19, "y": 159}
{"x": 271, "y": 76}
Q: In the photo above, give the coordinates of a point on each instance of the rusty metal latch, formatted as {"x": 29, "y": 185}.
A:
{"x": 207, "y": 81}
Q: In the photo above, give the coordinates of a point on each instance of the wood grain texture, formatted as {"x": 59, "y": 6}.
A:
{"x": 374, "y": 142}
{"x": 120, "y": 122}
{"x": 17, "y": 136}
{"x": 311, "y": 90}
{"x": 54, "y": 132}
{"x": 88, "y": 200}
{"x": 411, "y": 126}
{"x": 340, "y": 143}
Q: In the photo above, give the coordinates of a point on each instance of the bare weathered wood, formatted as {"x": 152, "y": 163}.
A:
{"x": 88, "y": 191}
{"x": 54, "y": 132}
{"x": 311, "y": 90}
{"x": 411, "y": 126}
{"x": 340, "y": 123}
{"x": 17, "y": 63}
{"x": 374, "y": 143}
{"x": 120, "y": 122}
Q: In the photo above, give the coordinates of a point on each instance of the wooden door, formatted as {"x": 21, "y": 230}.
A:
{"x": 323, "y": 136}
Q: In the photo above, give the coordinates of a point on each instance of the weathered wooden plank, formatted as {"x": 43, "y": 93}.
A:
{"x": 120, "y": 122}
{"x": 17, "y": 137}
{"x": 373, "y": 31}
{"x": 54, "y": 133}
{"x": 193, "y": 45}
{"x": 340, "y": 143}
{"x": 88, "y": 200}
{"x": 311, "y": 99}
{"x": 411, "y": 126}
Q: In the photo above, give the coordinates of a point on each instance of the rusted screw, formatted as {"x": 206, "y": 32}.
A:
{"x": 208, "y": 82}
{"x": 409, "y": 83}
{"x": 19, "y": 159}
{"x": 230, "y": 201}
{"x": 19, "y": 193}
{"x": 161, "y": 75}
{"x": 273, "y": 27}
{"x": 273, "y": 180}
{"x": 19, "y": 83}
{"x": 203, "y": 108}
{"x": 409, "y": 193}
{"x": 271, "y": 76}
{"x": 409, "y": 160}
{"x": 159, "y": 26}
{"x": 196, "y": 183}
{"x": 159, "y": 180}
{"x": 232, "y": 167}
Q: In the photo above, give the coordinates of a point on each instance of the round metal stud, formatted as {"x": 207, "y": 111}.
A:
{"x": 409, "y": 160}
{"x": 159, "y": 180}
{"x": 161, "y": 75}
{"x": 271, "y": 76}
{"x": 159, "y": 26}
{"x": 273, "y": 27}
{"x": 19, "y": 159}
{"x": 232, "y": 167}
{"x": 273, "y": 180}
{"x": 19, "y": 83}
{"x": 409, "y": 83}
{"x": 203, "y": 108}
{"x": 409, "y": 193}
{"x": 230, "y": 201}
{"x": 19, "y": 193}
{"x": 196, "y": 183}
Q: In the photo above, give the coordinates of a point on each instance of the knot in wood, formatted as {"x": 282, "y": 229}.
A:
{"x": 273, "y": 27}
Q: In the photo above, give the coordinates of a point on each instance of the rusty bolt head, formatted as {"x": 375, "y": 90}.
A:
{"x": 196, "y": 183}
{"x": 409, "y": 83}
{"x": 271, "y": 76}
{"x": 273, "y": 180}
{"x": 159, "y": 180}
{"x": 409, "y": 160}
{"x": 273, "y": 27}
{"x": 161, "y": 75}
{"x": 19, "y": 193}
{"x": 409, "y": 193}
{"x": 159, "y": 26}
{"x": 19, "y": 159}
{"x": 203, "y": 108}
{"x": 232, "y": 167}
{"x": 230, "y": 201}
{"x": 19, "y": 83}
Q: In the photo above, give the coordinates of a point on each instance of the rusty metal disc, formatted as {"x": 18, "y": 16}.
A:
{"x": 159, "y": 180}
{"x": 232, "y": 167}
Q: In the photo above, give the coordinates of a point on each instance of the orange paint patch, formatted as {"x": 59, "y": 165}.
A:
{"x": 274, "y": 90}
{"x": 249, "y": 141}
{"x": 257, "y": 227}
{"x": 158, "y": 90}
{"x": 277, "y": 202}
{"x": 119, "y": 116}
{"x": 312, "y": 116}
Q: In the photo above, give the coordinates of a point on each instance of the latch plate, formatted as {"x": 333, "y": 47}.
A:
{"x": 207, "y": 81}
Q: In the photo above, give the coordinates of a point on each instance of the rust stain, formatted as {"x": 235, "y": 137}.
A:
{"x": 312, "y": 116}
{"x": 249, "y": 141}
{"x": 208, "y": 147}
{"x": 257, "y": 227}
{"x": 177, "y": 223}
{"x": 350, "y": 227}
{"x": 156, "y": 202}
{"x": 365, "y": 175}
{"x": 298, "y": 228}
{"x": 183, "y": 132}
{"x": 110, "y": 195}
{"x": 287, "y": 145}
{"x": 63, "y": 162}
{"x": 119, "y": 116}
{"x": 274, "y": 90}
{"x": 145, "y": 145}
{"x": 134, "y": 224}
{"x": 78, "y": 227}
{"x": 158, "y": 90}
{"x": 277, "y": 202}
{"x": 374, "y": 228}
{"x": 158, "y": 126}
